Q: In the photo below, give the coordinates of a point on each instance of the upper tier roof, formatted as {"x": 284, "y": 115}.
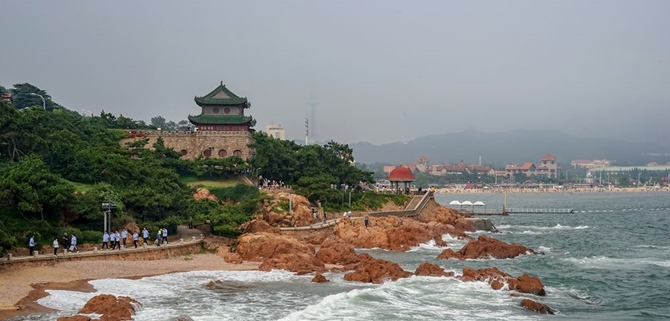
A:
{"x": 222, "y": 120}
{"x": 221, "y": 96}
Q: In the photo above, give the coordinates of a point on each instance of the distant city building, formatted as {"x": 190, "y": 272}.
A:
{"x": 548, "y": 167}
{"x": 275, "y": 130}
{"x": 590, "y": 163}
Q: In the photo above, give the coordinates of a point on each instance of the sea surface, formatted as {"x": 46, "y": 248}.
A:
{"x": 610, "y": 260}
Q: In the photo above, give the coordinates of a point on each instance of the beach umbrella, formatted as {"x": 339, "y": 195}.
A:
{"x": 454, "y": 203}
{"x": 468, "y": 203}
{"x": 479, "y": 203}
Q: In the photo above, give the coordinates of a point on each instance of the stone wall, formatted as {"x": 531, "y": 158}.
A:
{"x": 152, "y": 253}
{"x": 194, "y": 144}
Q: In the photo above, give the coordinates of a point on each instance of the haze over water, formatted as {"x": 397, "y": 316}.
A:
{"x": 608, "y": 261}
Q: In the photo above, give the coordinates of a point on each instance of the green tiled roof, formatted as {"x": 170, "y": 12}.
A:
{"x": 221, "y": 119}
{"x": 221, "y": 96}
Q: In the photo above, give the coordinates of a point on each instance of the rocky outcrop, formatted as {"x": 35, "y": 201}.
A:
{"x": 257, "y": 226}
{"x": 429, "y": 269}
{"x": 319, "y": 278}
{"x": 434, "y": 212}
{"x": 74, "y": 318}
{"x": 392, "y": 233}
{"x": 111, "y": 307}
{"x": 301, "y": 263}
{"x": 260, "y": 246}
{"x": 535, "y": 306}
{"x": 439, "y": 241}
{"x": 486, "y": 247}
{"x": 376, "y": 271}
{"x": 203, "y": 193}
{"x": 334, "y": 251}
{"x": 230, "y": 257}
{"x": 497, "y": 279}
{"x": 275, "y": 210}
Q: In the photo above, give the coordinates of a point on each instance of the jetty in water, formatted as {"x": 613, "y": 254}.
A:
{"x": 525, "y": 211}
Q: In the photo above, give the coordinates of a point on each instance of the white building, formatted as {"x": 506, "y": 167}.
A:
{"x": 275, "y": 130}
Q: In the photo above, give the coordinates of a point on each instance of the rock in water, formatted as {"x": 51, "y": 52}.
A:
{"x": 535, "y": 306}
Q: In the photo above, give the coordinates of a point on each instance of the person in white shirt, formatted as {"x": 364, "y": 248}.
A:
{"x": 55, "y": 243}
{"x": 136, "y": 237}
{"x": 124, "y": 234}
{"x": 31, "y": 244}
{"x": 73, "y": 244}
{"x": 145, "y": 236}
{"x": 105, "y": 240}
{"x": 165, "y": 236}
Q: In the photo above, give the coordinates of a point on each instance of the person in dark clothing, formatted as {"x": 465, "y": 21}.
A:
{"x": 367, "y": 222}
{"x": 65, "y": 241}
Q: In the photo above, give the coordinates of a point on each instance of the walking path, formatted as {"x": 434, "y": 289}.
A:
{"x": 184, "y": 237}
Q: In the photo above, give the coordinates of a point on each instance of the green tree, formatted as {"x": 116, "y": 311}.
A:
{"x": 22, "y": 97}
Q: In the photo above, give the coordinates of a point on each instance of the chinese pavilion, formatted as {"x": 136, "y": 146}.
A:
{"x": 222, "y": 111}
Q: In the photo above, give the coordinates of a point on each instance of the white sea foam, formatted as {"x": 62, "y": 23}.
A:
{"x": 604, "y": 262}
{"x": 544, "y": 249}
{"x": 415, "y": 298}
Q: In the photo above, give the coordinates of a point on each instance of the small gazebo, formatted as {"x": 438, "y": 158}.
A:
{"x": 398, "y": 175}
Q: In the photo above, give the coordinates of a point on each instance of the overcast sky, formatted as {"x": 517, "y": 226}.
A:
{"x": 381, "y": 71}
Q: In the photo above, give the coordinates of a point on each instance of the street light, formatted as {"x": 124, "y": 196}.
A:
{"x": 44, "y": 102}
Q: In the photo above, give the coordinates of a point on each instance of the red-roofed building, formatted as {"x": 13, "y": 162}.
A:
{"x": 401, "y": 174}
{"x": 548, "y": 167}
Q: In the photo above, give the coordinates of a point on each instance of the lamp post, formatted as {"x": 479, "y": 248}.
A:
{"x": 44, "y": 102}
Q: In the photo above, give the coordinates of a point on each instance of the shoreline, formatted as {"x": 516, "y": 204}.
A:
{"x": 22, "y": 287}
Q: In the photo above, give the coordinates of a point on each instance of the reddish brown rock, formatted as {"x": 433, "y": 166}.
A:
{"x": 535, "y": 306}
{"x": 486, "y": 247}
{"x": 74, "y": 318}
{"x": 429, "y": 269}
{"x": 527, "y": 284}
{"x": 439, "y": 241}
{"x": 111, "y": 307}
{"x": 230, "y": 257}
{"x": 261, "y": 246}
{"x": 377, "y": 271}
{"x": 497, "y": 279}
{"x": 319, "y": 278}
{"x": 203, "y": 193}
{"x": 275, "y": 209}
{"x": 334, "y": 251}
{"x": 257, "y": 226}
{"x": 301, "y": 263}
{"x": 448, "y": 254}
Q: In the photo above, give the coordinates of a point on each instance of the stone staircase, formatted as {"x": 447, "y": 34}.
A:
{"x": 412, "y": 205}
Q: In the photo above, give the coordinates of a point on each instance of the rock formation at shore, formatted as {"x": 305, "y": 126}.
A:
{"x": 376, "y": 271}
{"x": 275, "y": 213}
{"x": 535, "y": 306}
{"x": 497, "y": 279}
{"x": 111, "y": 308}
{"x": 429, "y": 269}
{"x": 319, "y": 278}
{"x": 486, "y": 247}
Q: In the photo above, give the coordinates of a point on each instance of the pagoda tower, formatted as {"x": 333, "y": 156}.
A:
{"x": 222, "y": 111}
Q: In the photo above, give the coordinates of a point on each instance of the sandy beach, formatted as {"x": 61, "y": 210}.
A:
{"x": 20, "y": 288}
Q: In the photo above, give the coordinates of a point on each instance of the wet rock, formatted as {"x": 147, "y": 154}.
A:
{"x": 261, "y": 246}
{"x": 486, "y": 247}
{"x": 74, "y": 318}
{"x": 230, "y": 257}
{"x": 429, "y": 269}
{"x": 377, "y": 271}
{"x": 301, "y": 263}
{"x": 497, "y": 279}
{"x": 182, "y": 318}
{"x": 334, "y": 251}
{"x": 111, "y": 307}
{"x": 439, "y": 241}
{"x": 319, "y": 278}
{"x": 535, "y": 306}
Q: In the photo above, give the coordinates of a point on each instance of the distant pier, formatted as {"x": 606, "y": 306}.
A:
{"x": 524, "y": 211}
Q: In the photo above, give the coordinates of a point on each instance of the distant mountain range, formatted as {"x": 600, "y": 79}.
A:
{"x": 516, "y": 146}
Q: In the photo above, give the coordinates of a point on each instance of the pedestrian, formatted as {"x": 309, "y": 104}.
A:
{"x": 105, "y": 240}
{"x": 73, "y": 244}
{"x": 124, "y": 234}
{"x": 324, "y": 216}
{"x": 165, "y": 233}
{"x": 112, "y": 239}
{"x": 65, "y": 240}
{"x": 136, "y": 236}
{"x": 366, "y": 221}
{"x": 159, "y": 236}
{"x": 55, "y": 244}
{"x": 31, "y": 244}
{"x": 145, "y": 236}
{"x": 118, "y": 239}
{"x": 349, "y": 214}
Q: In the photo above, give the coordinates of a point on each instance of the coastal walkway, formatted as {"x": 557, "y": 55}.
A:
{"x": 187, "y": 241}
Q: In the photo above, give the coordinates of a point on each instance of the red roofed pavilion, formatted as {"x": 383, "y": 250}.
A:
{"x": 401, "y": 174}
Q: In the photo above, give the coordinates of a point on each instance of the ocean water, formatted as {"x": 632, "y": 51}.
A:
{"x": 610, "y": 260}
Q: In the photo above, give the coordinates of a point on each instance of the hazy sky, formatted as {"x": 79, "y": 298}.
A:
{"x": 381, "y": 71}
